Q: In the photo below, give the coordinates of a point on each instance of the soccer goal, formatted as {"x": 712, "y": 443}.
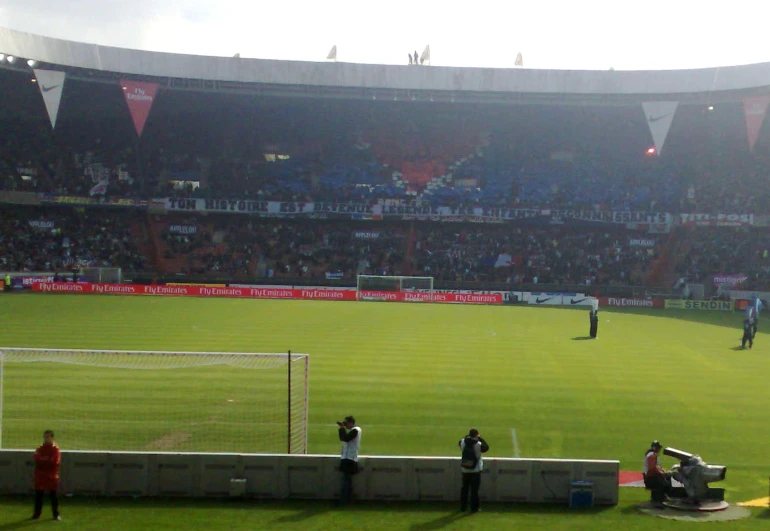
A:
{"x": 101, "y": 275}
{"x": 394, "y": 288}
{"x": 203, "y": 402}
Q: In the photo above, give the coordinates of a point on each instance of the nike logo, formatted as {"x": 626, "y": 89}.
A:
{"x": 48, "y": 89}
{"x": 573, "y": 301}
{"x": 652, "y": 118}
{"x": 541, "y": 301}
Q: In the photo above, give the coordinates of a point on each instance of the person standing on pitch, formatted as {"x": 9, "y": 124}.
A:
{"x": 47, "y": 462}
{"x": 471, "y": 464}
{"x": 752, "y": 313}
{"x": 350, "y": 435}
{"x": 593, "y": 318}
{"x": 748, "y": 334}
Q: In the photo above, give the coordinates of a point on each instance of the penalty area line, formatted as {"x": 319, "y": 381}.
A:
{"x": 515, "y": 443}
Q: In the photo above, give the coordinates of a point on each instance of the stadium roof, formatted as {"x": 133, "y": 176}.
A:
{"x": 332, "y": 79}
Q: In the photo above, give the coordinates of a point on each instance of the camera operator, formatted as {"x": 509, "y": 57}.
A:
{"x": 350, "y": 435}
{"x": 657, "y": 480}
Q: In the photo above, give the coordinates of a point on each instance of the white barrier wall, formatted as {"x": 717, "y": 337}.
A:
{"x": 309, "y": 476}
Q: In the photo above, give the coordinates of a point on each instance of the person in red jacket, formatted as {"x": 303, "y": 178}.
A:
{"x": 47, "y": 461}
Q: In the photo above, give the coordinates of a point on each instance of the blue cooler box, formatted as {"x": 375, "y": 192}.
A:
{"x": 581, "y": 494}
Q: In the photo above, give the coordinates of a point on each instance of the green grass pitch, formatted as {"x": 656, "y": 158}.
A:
{"x": 417, "y": 377}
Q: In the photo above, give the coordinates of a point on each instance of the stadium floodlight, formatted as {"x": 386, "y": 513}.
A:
{"x": 208, "y": 402}
{"x": 711, "y": 107}
{"x": 10, "y": 59}
{"x": 31, "y": 63}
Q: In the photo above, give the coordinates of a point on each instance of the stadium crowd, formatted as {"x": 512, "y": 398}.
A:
{"x": 315, "y": 249}
{"x": 37, "y": 239}
{"x": 704, "y": 253}
{"x": 62, "y": 238}
{"x": 393, "y": 162}
{"x": 532, "y": 256}
{"x": 282, "y": 249}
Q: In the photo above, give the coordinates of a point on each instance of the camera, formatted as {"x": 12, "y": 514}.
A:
{"x": 694, "y": 473}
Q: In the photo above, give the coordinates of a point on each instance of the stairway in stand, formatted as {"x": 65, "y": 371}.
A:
{"x": 141, "y": 236}
{"x": 663, "y": 272}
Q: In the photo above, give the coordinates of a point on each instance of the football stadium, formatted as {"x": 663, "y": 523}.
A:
{"x": 210, "y": 265}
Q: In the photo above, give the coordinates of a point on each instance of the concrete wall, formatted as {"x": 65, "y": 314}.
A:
{"x": 659, "y": 85}
{"x": 309, "y": 476}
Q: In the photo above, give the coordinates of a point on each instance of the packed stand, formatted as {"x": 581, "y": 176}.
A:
{"x": 443, "y": 161}
{"x": 330, "y": 250}
{"x": 706, "y": 252}
{"x": 28, "y": 163}
{"x": 532, "y": 256}
{"x": 192, "y": 245}
{"x": 35, "y": 239}
{"x": 320, "y": 250}
{"x": 738, "y": 187}
{"x": 264, "y": 249}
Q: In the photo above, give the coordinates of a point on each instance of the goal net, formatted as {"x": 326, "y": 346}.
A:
{"x": 101, "y": 275}
{"x": 155, "y": 401}
{"x": 394, "y": 288}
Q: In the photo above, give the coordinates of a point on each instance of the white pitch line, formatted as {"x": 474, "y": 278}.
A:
{"x": 515, "y": 443}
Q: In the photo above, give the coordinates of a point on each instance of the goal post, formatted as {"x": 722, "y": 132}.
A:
{"x": 394, "y": 288}
{"x": 115, "y": 400}
{"x": 101, "y": 275}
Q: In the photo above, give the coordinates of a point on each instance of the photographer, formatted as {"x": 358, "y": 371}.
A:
{"x": 350, "y": 435}
{"x": 471, "y": 446}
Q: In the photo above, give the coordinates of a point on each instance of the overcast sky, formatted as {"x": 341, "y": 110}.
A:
{"x": 564, "y": 34}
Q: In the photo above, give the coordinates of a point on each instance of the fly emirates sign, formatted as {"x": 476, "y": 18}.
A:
{"x": 272, "y": 292}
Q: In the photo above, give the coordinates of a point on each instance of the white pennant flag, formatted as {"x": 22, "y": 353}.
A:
{"x": 659, "y": 116}
{"x": 51, "y": 83}
{"x": 332, "y": 54}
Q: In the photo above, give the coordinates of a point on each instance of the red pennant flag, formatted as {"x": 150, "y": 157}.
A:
{"x": 139, "y": 97}
{"x": 754, "y": 109}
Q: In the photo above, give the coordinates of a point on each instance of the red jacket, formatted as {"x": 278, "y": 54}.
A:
{"x": 47, "y": 462}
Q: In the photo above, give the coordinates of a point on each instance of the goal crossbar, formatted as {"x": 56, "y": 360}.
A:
{"x": 150, "y": 352}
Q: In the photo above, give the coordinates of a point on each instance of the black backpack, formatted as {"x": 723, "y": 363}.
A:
{"x": 469, "y": 458}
